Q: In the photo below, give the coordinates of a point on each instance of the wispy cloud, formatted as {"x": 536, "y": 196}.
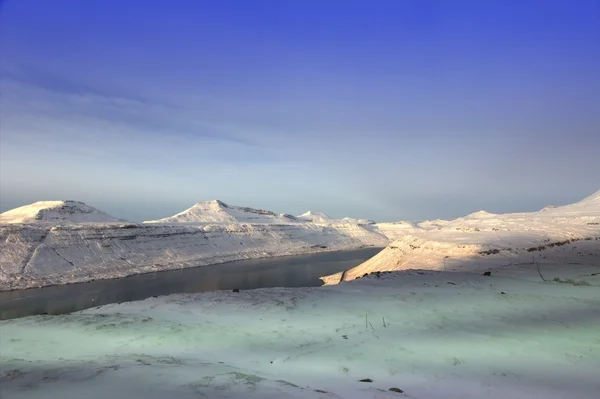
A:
{"x": 86, "y": 122}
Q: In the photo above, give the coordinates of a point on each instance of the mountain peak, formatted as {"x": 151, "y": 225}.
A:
{"x": 480, "y": 214}
{"x": 216, "y": 211}
{"x": 315, "y": 217}
{"x": 214, "y": 203}
{"x": 590, "y": 205}
{"x": 592, "y": 198}
{"x": 311, "y": 213}
{"x": 65, "y": 211}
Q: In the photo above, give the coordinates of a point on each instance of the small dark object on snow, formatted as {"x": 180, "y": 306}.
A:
{"x": 345, "y": 336}
{"x": 450, "y": 282}
{"x": 487, "y": 273}
{"x": 154, "y": 296}
{"x": 236, "y": 290}
{"x": 320, "y": 391}
{"x": 366, "y": 380}
{"x": 503, "y": 293}
{"x": 396, "y": 390}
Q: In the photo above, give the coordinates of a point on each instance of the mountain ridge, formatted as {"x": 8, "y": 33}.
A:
{"x": 217, "y": 211}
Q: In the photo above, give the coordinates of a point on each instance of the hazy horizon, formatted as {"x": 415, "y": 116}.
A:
{"x": 151, "y": 214}
{"x": 382, "y": 110}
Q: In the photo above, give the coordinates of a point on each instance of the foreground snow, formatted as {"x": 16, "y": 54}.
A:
{"x": 430, "y": 334}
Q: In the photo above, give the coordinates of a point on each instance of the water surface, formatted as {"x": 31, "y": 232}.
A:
{"x": 288, "y": 271}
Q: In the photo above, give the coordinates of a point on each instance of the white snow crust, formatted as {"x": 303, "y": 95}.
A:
{"x": 430, "y": 334}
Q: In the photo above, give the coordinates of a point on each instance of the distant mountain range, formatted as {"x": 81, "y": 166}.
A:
{"x": 207, "y": 212}
{"x": 57, "y": 242}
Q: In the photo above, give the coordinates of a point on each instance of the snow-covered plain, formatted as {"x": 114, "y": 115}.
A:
{"x": 428, "y": 334}
{"x": 482, "y": 240}
{"x": 38, "y": 248}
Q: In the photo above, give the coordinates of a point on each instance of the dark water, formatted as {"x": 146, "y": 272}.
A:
{"x": 289, "y": 271}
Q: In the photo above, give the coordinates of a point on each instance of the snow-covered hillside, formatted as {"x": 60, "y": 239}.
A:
{"x": 484, "y": 240}
{"x": 410, "y": 334}
{"x": 219, "y": 212}
{"x": 56, "y": 212}
{"x": 36, "y": 254}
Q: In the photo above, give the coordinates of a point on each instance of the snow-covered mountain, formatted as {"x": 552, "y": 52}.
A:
{"x": 321, "y": 218}
{"x": 357, "y": 221}
{"x": 216, "y": 211}
{"x": 56, "y": 212}
{"x": 315, "y": 217}
{"x": 64, "y": 242}
{"x": 484, "y": 240}
{"x": 219, "y": 212}
{"x": 414, "y": 334}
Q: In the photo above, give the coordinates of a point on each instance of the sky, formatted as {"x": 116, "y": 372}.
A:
{"x": 389, "y": 110}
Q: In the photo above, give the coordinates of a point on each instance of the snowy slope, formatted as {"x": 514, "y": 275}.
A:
{"x": 427, "y": 334}
{"x": 55, "y": 212}
{"x": 483, "y": 240}
{"x": 219, "y": 212}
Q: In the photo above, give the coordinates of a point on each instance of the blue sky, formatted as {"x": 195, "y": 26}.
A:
{"x": 383, "y": 109}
